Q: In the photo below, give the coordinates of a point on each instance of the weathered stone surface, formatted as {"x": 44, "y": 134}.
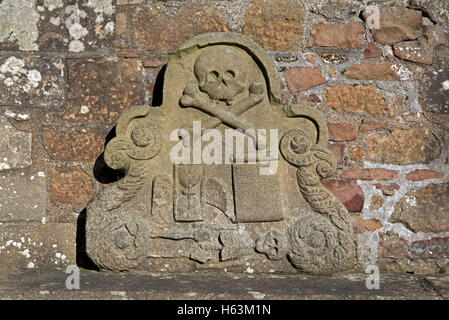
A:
{"x": 347, "y": 36}
{"x": 358, "y": 153}
{"x": 303, "y": 78}
{"x": 369, "y": 125}
{"x": 338, "y": 151}
{"x": 403, "y": 146}
{"x": 349, "y": 193}
{"x": 23, "y": 196}
{"x": 363, "y": 225}
{"x": 362, "y": 98}
{"x": 388, "y": 189}
{"x": 56, "y": 26}
{"x": 71, "y": 186}
{"x": 333, "y": 57}
{"x": 48, "y": 284}
{"x": 395, "y": 24}
{"x": 99, "y": 90}
{"x": 169, "y": 212}
{"x": 372, "y": 51}
{"x": 422, "y": 174}
{"x": 400, "y": 250}
{"x": 433, "y": 248}
{"x": 434, "y": 83}
{"x": 413, "y": 51}
{"x": 38, "y": 246}
{"x": 341, "y": 131}
{"x": 378, "y": 71}
{"x": 340, "y": 9}
{"x": 438, "y": 10}
{"x": 74, "y": 145}
{"x": 31, "y": 80}
{"x": 160, "y": 29}
{"x": 275, "y": 25}
{"x": 15, "y": 146}
{"x": 376, "y": 202}
{"x": 369, "y": 174}
{"x": 424, "y": 209}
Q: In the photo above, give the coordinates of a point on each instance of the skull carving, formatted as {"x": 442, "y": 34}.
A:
{"x": 221, "y": 73}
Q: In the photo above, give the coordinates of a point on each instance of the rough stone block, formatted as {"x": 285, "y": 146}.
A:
{"x": 76, "y": 144}
{"x": 23, "y": 196}
{"x": 424, "y": 209}
{"x": 303, "y": 78}
{"x": 275, "y": 25}
{"x": 159, "y": 29}
{"x": 55, "y": 25}
{"x": 404, "y": 146}
{"x": 31, "y": 80}
{"x": 360, "y": 98}
{"x": 347, "y": 36}
{"x": 71, "y": 186}
{"x": 99, "y": 90}
{"x": 379, "y": 71}
{"x": 394, "y": 24}
{"x": 349, "y": 193}
{"x": 38, "y": 245}
{"x": 15, "y": 146}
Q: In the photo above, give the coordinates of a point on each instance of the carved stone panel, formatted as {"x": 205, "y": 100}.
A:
{"x": 257, "y": 197}
{"x": 221, "y": 176}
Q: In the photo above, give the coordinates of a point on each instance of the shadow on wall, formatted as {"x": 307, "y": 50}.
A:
{"x": 105, "y": 175}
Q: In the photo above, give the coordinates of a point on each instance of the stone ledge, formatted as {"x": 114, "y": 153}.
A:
{"x": 49, "y": 284}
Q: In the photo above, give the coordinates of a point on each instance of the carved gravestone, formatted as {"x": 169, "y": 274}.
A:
{"x": 221, "y": 176}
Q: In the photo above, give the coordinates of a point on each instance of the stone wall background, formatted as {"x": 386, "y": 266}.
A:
{"x": 69, "y": 68}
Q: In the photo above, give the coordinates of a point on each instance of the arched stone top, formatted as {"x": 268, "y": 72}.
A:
{"x": 261, "y": 58}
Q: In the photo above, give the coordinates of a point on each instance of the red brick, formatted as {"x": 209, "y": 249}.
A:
{"x": 372, "y": 51}
{"x": 358, "y": 153}
{"x": 421, "y": 174}
{"x": 162, "y": 29}
{"x": 303, "y": 78}
{"x": 341, "y": 132}
{"x": 71, "y": 186}
{"x": 413, "y": 51}
{"x": 127, "y": 54}
{"x": 338, "y": 151}
{"x": 100, "y": 90}
{"x": 350, "y": 35}
{"x": 378, "y": 71}
{"x": 369, "y": 174}
{"x": 395, "y": 24}
{"x": 74, "y": 145}
{"x": 360, "y": 225}
{"x": 347, "y": 192}
{"x": 368, "y": 125}
{"x": 403, "y": 146}
{"x": 354, "y": 99}
{"x": 275, "y": 24}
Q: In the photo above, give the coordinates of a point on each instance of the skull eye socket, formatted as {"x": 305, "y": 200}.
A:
{"x": 213, "y": 76}
{"x": 230, "y": 74}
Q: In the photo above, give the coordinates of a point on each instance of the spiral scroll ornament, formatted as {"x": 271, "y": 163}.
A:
{"x": 116, "y": 232}
{"x": 321, "y": 242}
{"x": 144, "y": 142}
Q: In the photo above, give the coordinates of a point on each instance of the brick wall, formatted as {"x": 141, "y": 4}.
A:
{"x": 68, "y": 69}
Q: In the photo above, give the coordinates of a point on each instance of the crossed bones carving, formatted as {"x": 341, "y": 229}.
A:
{"x": 192, "y": 98}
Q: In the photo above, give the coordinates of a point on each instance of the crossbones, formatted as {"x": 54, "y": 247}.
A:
{"x": 192, "y": 98}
